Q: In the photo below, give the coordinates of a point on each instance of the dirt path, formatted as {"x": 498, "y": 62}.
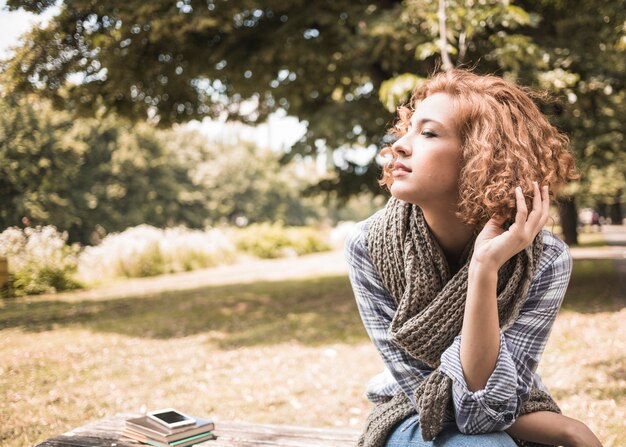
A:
{"x": 318, "y": 264}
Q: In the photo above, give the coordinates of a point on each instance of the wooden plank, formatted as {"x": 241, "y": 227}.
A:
{"x": 101, "y": 433}
{"x": 286, "y": 431}
{"x": 86, "y": 441}
{"x": 107, "y": 433}
{"x": 232, "y": 439}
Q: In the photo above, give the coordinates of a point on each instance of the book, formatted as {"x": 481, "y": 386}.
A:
{"x": 158, "y": 432}
{"x": 191, "y": 440}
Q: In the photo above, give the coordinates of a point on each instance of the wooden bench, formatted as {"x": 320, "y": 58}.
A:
{"x": 107, "y": 433}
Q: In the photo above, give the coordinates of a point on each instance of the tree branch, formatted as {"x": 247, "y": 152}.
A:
{"x": 462, "y": 48}
{"x": 443, "y": 41}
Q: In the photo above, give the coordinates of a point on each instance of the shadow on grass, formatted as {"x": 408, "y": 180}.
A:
{"x": 312, "y": 311}
{"x": 594, "y": 287}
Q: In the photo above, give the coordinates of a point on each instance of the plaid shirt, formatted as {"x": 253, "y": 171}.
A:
{"x": 495, "y": 407}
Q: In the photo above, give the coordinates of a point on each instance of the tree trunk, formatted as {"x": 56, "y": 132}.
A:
{"x": 569, "y": 219}
{"x": 615, "y": 213}
{"x": 602, "y": 209}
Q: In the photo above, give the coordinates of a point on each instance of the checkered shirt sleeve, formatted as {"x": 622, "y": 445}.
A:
{"x": 495, "y": 407}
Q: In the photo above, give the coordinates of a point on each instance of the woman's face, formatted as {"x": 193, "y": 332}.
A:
{"x": 426, "y": 172}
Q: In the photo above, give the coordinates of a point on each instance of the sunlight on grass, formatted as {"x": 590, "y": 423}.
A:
{"x": 584, "y": 366}
{"x": 292, "y": 352}
{"x": 61, "y": 379}
{"x": 590, "y": 239}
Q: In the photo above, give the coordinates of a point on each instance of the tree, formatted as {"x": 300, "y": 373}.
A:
{"x": 339, "y": 66}
{"x": 32, "y": 156}
{"x": 241, "y": 182}
{"x": 94, "y": 176}
{"x": 322, "y": 62}
{"x": 586, "y": 57}
{"x": 88, "y": 175}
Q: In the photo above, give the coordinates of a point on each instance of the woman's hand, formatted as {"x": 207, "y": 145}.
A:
{"x": 579, "y": 435}
{"x": 545, "y": 427}
{"x": 494, "y": 245}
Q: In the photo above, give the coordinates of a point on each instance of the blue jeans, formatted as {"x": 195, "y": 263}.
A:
{"x": 408, "y": 434}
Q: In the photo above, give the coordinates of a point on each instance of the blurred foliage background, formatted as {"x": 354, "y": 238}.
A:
{"x": 94, "y": 104}
{"x": 107, "y": 172}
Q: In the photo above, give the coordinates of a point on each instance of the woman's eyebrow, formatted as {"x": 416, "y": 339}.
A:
{"x": 423, "y": 121}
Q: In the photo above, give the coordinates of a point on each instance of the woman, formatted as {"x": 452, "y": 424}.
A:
{"x": 456, "y": 282}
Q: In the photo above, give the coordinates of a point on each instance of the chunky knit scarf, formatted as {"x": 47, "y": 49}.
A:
{"x": 430, "y": 304}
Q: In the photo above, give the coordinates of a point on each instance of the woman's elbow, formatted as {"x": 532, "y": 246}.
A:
{"x": 486, "y": 421}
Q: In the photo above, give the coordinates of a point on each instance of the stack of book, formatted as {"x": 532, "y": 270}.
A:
{"x": 147, "y": 431}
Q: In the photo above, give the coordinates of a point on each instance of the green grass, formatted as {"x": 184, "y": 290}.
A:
{"x": 312, "y": 311}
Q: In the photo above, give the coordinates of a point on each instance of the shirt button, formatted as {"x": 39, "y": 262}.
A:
{"x": 508, "y": 417}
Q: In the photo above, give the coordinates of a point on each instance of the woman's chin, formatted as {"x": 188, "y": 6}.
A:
{"x": 403, "y": 193}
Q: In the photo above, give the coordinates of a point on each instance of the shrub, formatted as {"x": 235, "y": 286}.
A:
{"x": 275, "y": 240}
{"x": 147, "y": 251}
{"x": 40, "y": 261}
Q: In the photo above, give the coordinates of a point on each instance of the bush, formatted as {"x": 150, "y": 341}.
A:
{"x": 40, "y": 261}
{"x": 275, "y": 240}
{"x": 147, "y": 251}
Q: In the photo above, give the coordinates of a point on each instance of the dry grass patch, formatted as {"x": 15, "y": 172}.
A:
{"x": 584, "y": 366}
{"x": 56, "y": 380}
{"x": 290, "y": 352}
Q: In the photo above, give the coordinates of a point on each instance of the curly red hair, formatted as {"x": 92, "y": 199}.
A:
{"x": 505, "y": 141}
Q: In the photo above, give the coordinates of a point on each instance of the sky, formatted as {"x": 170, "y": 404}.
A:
{"x": 15, "y": 23}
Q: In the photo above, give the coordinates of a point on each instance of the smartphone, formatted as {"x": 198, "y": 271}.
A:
{"x": 171, "y": 418}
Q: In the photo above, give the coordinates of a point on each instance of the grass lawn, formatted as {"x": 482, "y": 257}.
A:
{"x": 291, "y": 352}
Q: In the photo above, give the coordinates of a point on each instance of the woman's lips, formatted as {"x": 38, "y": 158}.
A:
{"x": 399, "y": 169}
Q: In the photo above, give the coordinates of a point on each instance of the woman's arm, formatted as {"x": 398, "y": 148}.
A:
{"x": 494, "y": 246}
{"x": 491, "y": 400}
{"x": 480, "y": 341}
{"x": 496, "y": 406}
{"x": 546, "y": 427}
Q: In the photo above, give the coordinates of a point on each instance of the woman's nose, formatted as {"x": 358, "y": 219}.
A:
{"x": 401, "y": 146}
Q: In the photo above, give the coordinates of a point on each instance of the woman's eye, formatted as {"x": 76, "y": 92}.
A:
{"x": 429, "y": 133}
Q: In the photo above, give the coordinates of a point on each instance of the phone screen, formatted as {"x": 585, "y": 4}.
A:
{"x": 170, "y": 417}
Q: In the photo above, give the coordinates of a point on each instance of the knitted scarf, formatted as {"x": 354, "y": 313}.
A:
{"x": 430, "y": 305}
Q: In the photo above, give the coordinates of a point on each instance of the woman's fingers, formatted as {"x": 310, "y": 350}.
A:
{"x": 531, "y": 223}
{"x": 534, "y": 219}
{"x": 545, "y": 199}
{"x": 522, "y": 211}
{"x": 541, "y": 205}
